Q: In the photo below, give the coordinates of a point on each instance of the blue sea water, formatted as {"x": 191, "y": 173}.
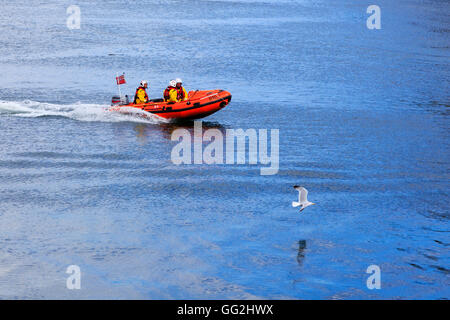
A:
{"x": 363, "y": 123}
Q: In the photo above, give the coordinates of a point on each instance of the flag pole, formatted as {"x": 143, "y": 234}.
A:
{"x": 118, "y": 86}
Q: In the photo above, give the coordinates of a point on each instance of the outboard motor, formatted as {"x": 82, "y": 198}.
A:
{"x": 117, "y": 101}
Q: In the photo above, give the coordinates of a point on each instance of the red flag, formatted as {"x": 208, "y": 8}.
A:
{"x": 120, "y": 79}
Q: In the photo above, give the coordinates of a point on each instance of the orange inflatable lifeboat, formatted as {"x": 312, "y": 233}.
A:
{"x": 199, "y": 104}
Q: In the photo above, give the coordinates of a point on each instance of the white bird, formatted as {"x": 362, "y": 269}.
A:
{"x": 302, "y": 198}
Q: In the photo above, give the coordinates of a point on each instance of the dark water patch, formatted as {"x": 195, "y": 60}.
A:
{"x": 430, "y": 257}
{"x": 30, "y": 164}
{"x": 442, "y": 269}
{"x": 439, "y": 215}
{"x": 315, "y": 174}
{"x": 442, "y": 243}
{"x": 435, "y": 230}
{"x": 301, "y": 252}
{"x": 416, "y": 266}
{"x": 62, "y": 155}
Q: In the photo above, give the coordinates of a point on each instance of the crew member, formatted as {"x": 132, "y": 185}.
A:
{"x": 181, "y": 92}
{"x": 170, "y": 94}
{"x": 141, "y": 95}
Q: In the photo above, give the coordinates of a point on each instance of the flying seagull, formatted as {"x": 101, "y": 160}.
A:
{"x": 302, "y": 198}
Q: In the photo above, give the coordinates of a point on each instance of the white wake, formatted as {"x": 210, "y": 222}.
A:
{"x": 77, "y": 111}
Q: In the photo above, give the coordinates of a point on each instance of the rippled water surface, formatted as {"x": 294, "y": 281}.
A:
{"x": 363, "y": 124}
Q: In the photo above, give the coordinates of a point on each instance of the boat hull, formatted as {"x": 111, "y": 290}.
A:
{"x": 199, "y": 104}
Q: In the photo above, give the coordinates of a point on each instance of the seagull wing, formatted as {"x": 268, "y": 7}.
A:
{"x": 302, "y": 194}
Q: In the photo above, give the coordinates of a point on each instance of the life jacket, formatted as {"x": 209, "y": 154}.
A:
{"x": 167, "y": 92}
{"x": 136, "y": 95}
{"x": 180, "y": 94}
